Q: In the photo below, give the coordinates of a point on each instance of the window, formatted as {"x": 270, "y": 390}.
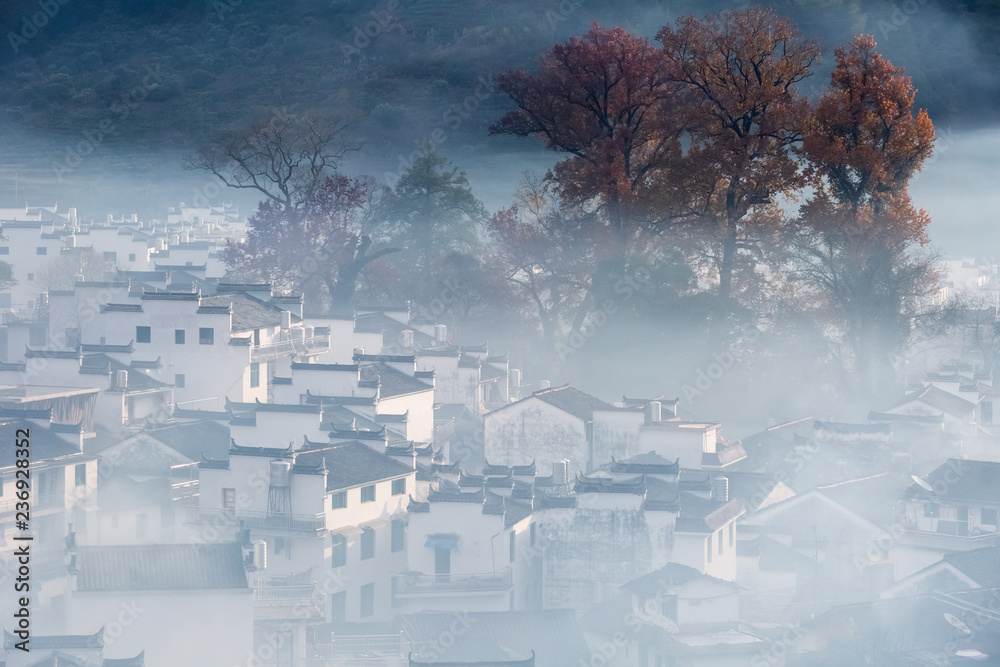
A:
{"x": 531, "y": 535}
{"x": 131, "y": 257}
{"x": 6, "y": 299}
{"x": 72, "y": 336}
{"x": 41, "y": 250}
{"x": 339, "y": 543}
{"x": 81, "y": 474}
{"x": 36, "y": 336}
{"x": 206, "y": 336}
{"x": 732, "y": 531}
{"x": 178, "y": 336}
{"x": 179, "y": 380}
{"x": 254, "y": 375}
{"x": 110, "y": 257}
{"x": 367, "y": 543}
{"x": 4, "y": 250}
{"x": 709, "y": 548}
{"x": 143, "y": 334}
{"x": 140, "y": 526}
{"x": 720, "y": 543}
{"x": 256, "y": 336}
{"x": 229, "y": 498}
{"x": 398, "y": 535}
{"x": 399, "y": 486}
{"x": 988, "y": 516}
{"x": 513, "y": 545}
{"x": 338, "y": 607}
{"x": 986, "y": 412}
{"x": 367, "y": 600}
{"x": 368, "y": 493}
{"x": 31, "y": 277}
{"x": 338, "y": 500}
{"x": 393, "y": 599}
{"x": 932, "y": 510}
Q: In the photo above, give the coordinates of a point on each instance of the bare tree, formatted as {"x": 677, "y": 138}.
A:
{"x": 286, "y": 158}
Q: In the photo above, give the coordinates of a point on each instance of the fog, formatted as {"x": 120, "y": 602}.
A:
{"x": 429, "y": 332}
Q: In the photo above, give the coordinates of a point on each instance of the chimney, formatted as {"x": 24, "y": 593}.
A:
{"x": 654, "y": 412}
{"x": 720, "y": 489}
{"x": 286, "y": 320}
{"x": 121, "y": 379}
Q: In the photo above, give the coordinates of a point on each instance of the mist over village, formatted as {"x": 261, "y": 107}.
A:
{"x": 570, "y": 333}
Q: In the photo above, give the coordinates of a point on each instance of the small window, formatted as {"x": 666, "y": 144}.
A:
{"x": 709, "y": 548}
{"x": 988, "y": 516}
{"x": 732, "y": 533}
{"x": 36, "y": 336}
{"x": 367, "y": 543}
{"x": 339, "y": 544}
{"x": 338, "y": 607}
{"x": 4, "y": 250}
{"x": 143, "y": 334}
{"x": 256, "y": 336}
{"x": 140, "y": 526}
{"x": 206, "y": 336}
{"x": 367, "y": 600}
{"x": 368, "y": 493}
{"x": 399, "y": 486}
{"x": 41, "y": 250}
{"x": 31, "y": 277}
{"x": 131, "y": 257}
{"x": 254, "y": 375}
{"x": 229, "y": 498}
{"x": 110, "y": 257}
{"x": 338, "y": 500}
{"x": 513, "y": 545}
{"x": 531, "y": 535}
{"x": 179, "y": 380}
{"x": 668, "y": 607}
{"x": 932, "y": 510}
{"x": 398, "y": 535}
{"x": 81, "y": 474}
{"x": 178, "y": 336}
{"x": 720, "y": 543}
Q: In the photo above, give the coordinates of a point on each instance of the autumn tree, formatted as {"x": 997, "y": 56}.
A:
{"x": 321, "y": 246}
{"x": 861, "y": 250}
{"x": 742, "y": 68}
{"x": 62, "y": 272}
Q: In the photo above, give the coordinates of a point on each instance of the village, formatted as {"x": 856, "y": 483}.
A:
{"x": 280, "y": 488}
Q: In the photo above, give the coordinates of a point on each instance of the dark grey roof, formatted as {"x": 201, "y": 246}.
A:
{"x": 393, "y": 382}
{"x": 160, "y": 567}
{"x": 672, "y": 574}
{"x": 298, "y": 366}
{"x": 121, "y": 308}
{"x": 52, "y": 354}
{"x": 257, "y": 406}
{"x": 962, "y": 481}
{"x": 249, "y": 312}
{"x": 118, "y": 349}
{"x": 980, "y": 565}
{"x": 940, "y": 399}
{"x": 650, "y": 463}
{"x": 195, "y": 439}
{"x": 354, "y": 463}
{"x": 48, "y": 642}
{"x": 45, "y": 445}
{"x": 572, "y": 401}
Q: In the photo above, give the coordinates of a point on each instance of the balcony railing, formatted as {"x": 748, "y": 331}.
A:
{"x": 302, "y": 602}
{"x": 299, "y": 524}
{"x": 40, "y": 502}
{"x": 418, "y": 585}
{"x": 950, "y": 534}
{"x": 289, "y": 347}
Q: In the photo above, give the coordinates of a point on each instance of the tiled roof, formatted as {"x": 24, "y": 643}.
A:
{"x": 117, "y": 349}
{"x": 195, "y": 439}
{"x": 339, "y": 400}
{"x": 257, "y": 406}
{"x": 171, "y": 296}
{"x": 51, "y": 354}
{"x": 45, "y": 445}
{"x": 650, "y": 463}
{"x": 572, "y": 401}
{"x": 601, "y": 485}
{"x": 940, "y": 399}
{"x": 249, "y": 312}
{"x": 393, "y": 382}
{"x": 353, "y": 464}
{"x": 160, "y": 567}
{"x": 672, "y": 574}
{"x": 121, "y": 308}
{"x": 962, "y": 481}
{"x": 980, "y": 565}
